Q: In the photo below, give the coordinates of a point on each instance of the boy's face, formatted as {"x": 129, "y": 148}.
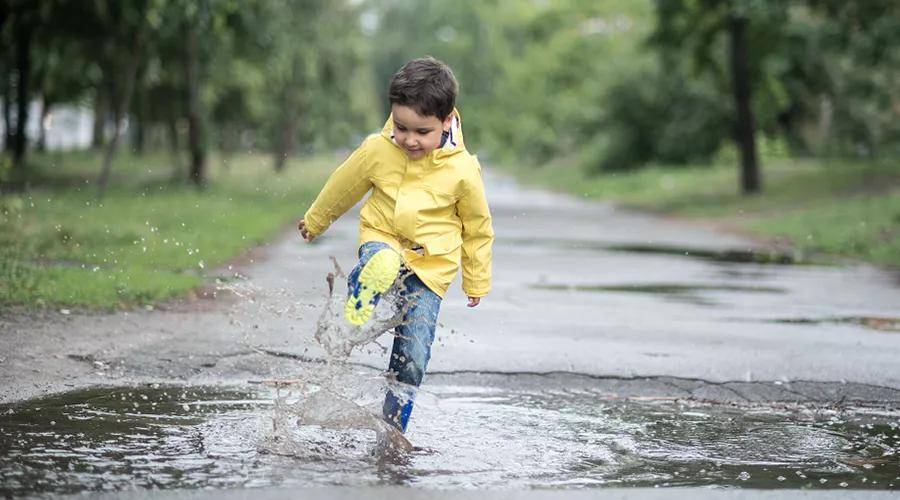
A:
{"x": 418, "y": 135}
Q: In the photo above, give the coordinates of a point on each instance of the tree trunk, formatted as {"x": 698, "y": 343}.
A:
{"x": 7, "y": 109}
{"x": 122, "y": 106}
{"x": 287, "y": 124}
{"x": 139, "y": 115}
{"x": 41, "y": 144}
{"x": 174, "y": 148}
{"x": 285, "y": 146}
{"x": 4, "y": 15}
{"x": 101, "y": 111}
{"x": 23, "y": 34}
{"x": 745, "y": 126}
{"x": 195, "y": 130}
{"x": 5, "y": 67}
{"x": 230, "y": 139}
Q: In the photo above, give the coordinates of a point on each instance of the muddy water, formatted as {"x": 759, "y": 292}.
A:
{"x": 466, "y": 436}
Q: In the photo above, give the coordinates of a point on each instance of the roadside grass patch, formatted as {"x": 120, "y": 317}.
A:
{"x": 835, "y": 207}
{"x": 862, "y": 226}
{"x": 148, "y": 239}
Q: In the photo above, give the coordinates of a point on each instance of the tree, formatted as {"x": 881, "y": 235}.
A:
{"x": 755, "y": 32}
{"x": 820, "y": 73}
{"x": 196, "y": 139}
{"x": 125, "y": 44}
{"x": 24, "y": 20}
{"x": 319, "y": 80}
{"x": 855, "y": 76}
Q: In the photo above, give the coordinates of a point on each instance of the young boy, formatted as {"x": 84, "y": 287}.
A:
{"x": 427, "y": 214}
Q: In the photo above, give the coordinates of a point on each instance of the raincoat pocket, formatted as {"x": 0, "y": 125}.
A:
{"x": 438, "y": 228}
{"x": 443, "y": 244}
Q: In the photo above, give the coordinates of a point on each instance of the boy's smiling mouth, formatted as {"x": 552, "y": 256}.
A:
{"x": 414, "y": 152}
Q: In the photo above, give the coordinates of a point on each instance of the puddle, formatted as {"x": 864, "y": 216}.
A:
{"x": 467, "y": 436}
{"x": 882, "y": 324}
{"x": 732, "y": 256}
{"x": 759, "y": 256}
{"x": 674, "y": 291}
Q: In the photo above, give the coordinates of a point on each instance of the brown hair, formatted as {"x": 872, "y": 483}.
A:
{"x": 426, "y": 85}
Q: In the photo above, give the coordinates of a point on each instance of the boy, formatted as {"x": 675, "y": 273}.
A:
{"x": 427, "y": 214}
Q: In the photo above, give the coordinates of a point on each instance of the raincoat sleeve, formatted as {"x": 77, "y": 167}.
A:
{"x": 343, "y": 189}
{"x": 478, "y": 238}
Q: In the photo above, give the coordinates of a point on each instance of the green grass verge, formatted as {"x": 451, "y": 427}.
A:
{"x": 147, "y": 239}
{"x": 841, "y": 208}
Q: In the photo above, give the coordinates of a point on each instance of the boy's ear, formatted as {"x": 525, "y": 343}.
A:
{"x": 448, "y": 121}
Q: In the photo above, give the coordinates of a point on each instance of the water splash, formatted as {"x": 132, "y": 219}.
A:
{"x": 339, "y": 338}
{"x": 333, "y": 410}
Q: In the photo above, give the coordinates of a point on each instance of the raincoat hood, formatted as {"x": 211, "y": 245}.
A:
{"x": 453, "y": 145}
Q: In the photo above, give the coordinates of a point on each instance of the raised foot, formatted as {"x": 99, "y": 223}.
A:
{"x": 376, "y": 277}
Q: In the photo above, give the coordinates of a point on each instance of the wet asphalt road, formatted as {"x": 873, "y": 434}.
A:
{"x": 579, "y": 287}
{"x": 636, "y": 305}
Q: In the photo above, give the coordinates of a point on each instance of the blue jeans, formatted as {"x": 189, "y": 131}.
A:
{"x": 413, "y": 339}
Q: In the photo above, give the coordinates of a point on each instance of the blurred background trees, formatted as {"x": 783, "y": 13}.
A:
{"x": 609, "y": 85}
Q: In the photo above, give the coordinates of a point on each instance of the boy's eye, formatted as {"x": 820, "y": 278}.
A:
{"x": 401, "y": 128}
{"x": 423, "y": 131}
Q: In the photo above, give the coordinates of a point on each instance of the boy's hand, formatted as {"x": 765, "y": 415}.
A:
{"x": 474, "y": 301}
{"x": 304, "y": 231}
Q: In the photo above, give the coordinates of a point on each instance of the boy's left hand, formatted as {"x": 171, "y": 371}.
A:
{"x": 474, "y": 301}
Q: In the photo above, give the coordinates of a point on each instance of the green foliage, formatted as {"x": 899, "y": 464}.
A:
{"x": 147, "y": 240}
{"x": 613, "y": 84}
{"x": 659, "y": 117}
{"x": 267, "y": 70}
{"x": 822, "y": 73}
{"x": 532, "y": 74}
{"x": 856, "y": 47}
{"x": 317, "y": 77}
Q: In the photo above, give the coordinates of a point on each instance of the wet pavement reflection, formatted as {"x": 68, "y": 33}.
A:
{"x": 466, "y": 436}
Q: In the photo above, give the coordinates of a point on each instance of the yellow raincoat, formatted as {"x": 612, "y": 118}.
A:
{"x": 436, "y": 202}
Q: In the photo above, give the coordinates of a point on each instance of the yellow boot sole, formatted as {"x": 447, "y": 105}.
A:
{"x": 376, "y": 277}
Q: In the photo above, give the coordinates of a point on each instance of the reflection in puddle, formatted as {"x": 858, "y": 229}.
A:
{"x": 466, "y": 437}
{"x": 675, "y": 291}
{"x": 734, "y": 256}
{"x": 883, "y": 324}
{"x": 754, "y": 256}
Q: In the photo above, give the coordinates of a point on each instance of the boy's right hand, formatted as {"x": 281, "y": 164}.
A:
{"x": 304, "y": 231}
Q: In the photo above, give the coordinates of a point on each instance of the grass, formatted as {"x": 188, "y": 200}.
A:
{"x": 148, "y": 239}
{"x": 820, "y": 207}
